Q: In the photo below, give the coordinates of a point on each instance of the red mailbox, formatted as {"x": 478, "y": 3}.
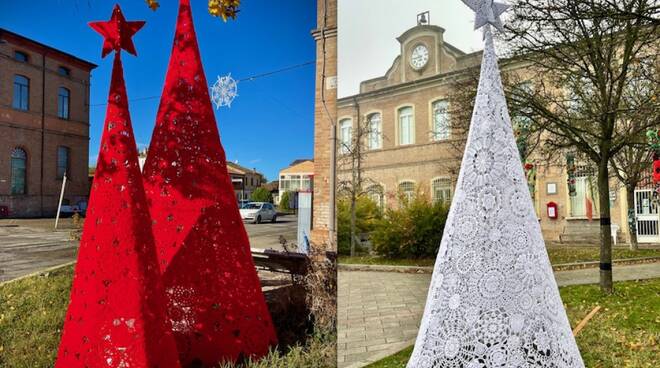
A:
{"x": 552, "y": 210}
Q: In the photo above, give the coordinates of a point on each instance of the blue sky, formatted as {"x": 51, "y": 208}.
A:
{"x": 268, "y": 125}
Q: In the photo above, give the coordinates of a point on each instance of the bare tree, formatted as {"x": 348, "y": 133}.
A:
{"x": 586, "y": 52}
{"x": 464, "y": 90}
{"x": 632, "y": 164}
{"x": 623, "y": 12}
{"x": 351, "y": 156}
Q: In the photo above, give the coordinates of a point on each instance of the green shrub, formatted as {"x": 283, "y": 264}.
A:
{"x": 261, "y": 194}
{"x": 411, "y": 230}
{"x": 367, "y": 214}
{"x": 284, "y": 202}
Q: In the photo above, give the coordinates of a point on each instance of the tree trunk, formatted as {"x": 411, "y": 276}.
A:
{"x": 353, "y": 219}
{"x": 632, "y": 218}
{"x": 605, "y": 228}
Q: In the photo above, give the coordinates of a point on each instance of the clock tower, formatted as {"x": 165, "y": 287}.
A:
{"x": 423, "y": 54}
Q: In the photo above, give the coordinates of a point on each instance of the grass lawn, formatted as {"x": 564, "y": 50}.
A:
{"x": 625, "y": 333}
{"x": 558, "y": 254}
{"x": 32, "y": 312}
{"x": 31, "y": 315}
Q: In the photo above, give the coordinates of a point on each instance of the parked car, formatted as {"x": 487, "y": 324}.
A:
{"x": 69, "y": 210}
{"x": 258, "y": 212}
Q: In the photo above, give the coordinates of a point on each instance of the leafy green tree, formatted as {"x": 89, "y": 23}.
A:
{"x": 261, "y": 194}
{"x": 284, "y": 202}
{"x": 367, "y": 214}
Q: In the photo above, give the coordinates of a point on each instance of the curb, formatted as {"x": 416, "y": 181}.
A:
{"x": 429, "y": 270}
{"x": 384, "y": 268}
{"x": 37, "y": 273}
{"x": 594, "y": 264}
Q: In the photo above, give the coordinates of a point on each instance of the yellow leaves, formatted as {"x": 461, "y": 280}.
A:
{"x": 218, "y": 8}
{"x": 153, "y": 4}
{"x": 224, "y": 8}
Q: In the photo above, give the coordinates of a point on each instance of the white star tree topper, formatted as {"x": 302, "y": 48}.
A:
{"x": 487, "y": 12}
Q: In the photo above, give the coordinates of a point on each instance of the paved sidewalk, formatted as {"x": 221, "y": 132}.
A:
{"x": 379, "y": 312}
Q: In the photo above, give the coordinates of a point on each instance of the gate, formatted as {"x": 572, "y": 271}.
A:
{"x": 647, "y": 217}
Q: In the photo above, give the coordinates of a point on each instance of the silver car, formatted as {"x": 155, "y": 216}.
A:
{"x": 258, "y": 212}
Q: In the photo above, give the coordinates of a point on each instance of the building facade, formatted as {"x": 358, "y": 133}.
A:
{"x": 297, "y": 177}
{"x": 411, "y": 148}
{"x": 44, "y": 126}
{"x": 244, "y": 180}
{"x": 323, "y": 232}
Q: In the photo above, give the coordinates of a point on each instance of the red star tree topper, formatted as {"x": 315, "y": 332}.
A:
{"x": 116, "y": 316}
{"x": 216, "y": 305}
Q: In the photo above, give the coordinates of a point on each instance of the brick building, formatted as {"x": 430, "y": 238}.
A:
{"x": 323, "y": 235}
{"x": 44, "y": 126}
{"x": 297, "y": 177}
{"x": 244, "y": 180}
{"x": 411, "y": 147}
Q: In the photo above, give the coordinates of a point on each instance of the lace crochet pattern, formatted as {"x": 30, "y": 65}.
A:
{"x": 493, "y": 300}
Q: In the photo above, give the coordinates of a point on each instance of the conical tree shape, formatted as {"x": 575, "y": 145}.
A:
{"x": 116, "y": 317}
{"x": 216, "y": 305}
{"x": 493, "y": 300}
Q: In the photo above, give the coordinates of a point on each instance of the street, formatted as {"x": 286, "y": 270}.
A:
{"x": 30, "y": 245}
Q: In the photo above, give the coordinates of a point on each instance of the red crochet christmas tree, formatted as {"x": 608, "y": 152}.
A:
{"x": 216, "y": 306}
{"x": 116, "y": 316}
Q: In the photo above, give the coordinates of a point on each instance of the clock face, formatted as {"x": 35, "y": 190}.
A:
{"x": 419, "y": 57}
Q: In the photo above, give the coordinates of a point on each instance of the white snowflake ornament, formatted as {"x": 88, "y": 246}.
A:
{"x": 223, "y": 91}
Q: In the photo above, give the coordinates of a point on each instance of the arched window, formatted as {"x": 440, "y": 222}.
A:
{"x": 407, "y": 189}
{"x": 441, "y": 190}
{"x": 62, "y": 161}
{"x": 375, "y": 131}
{"x": 441, "y": 128}
{"x": 377, "y": 194}
{"x": 21, "y": 93}
{"x": 345, "y": 135}
{"x": 21, "y": 56}
{"x": 406, "y": 126}
{"x": 64, "y": 71}
{"x": 18, "y": 171}
{"x": 63, "y": 100}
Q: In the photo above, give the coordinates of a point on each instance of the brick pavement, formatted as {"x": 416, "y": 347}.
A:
{"x": 379, "y": 312}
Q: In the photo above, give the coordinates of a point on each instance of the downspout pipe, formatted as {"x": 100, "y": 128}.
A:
{"x": 43, "y": 132}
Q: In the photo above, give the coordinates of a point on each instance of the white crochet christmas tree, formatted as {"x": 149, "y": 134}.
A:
{"x": 493, "y": 300}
